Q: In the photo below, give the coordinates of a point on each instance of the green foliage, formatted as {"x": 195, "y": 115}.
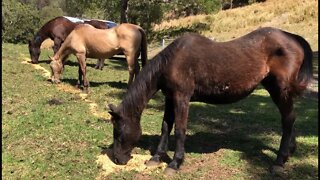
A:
{"x": 111, "y": 10}
{"x": 182, "y": 8}
{"x": 20, "y": 21}
{"x": 23, "y": 18}
{"x": 49, "y": 12}
{"x": 144, "y": 13}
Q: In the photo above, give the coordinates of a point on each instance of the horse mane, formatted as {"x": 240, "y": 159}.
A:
{"x": 148, "y": 82}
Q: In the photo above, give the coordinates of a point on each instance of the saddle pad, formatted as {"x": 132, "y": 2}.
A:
{"x": 111, "y": 24}
{"x": 73, "y": 19}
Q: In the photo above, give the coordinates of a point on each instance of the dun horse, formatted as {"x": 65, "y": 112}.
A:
{"x": 194, "y": 68}
{"x": 86, "y": 41}
{"x": 57, "y": 30}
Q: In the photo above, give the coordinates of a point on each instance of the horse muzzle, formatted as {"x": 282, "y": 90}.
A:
{"x": 121, "y": 159}
{"x": 34, "y": 61}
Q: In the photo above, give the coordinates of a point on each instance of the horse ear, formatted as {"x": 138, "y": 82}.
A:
{"x": 50, "y": 58}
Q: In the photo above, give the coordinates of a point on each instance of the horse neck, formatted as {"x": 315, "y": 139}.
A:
{"x": 137, "y": 99}
{"x": 39, "y": 38}
{"x": 142, "y": 89}
{"x": 147, "y": 83}
{"x": 63, "y": 51}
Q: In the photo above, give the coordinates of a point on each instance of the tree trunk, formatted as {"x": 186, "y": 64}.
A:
{"x": 124, "y": 11}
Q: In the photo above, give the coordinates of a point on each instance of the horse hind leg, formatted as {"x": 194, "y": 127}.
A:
{"x": 100, "y": 64}
{"x": 133, "y": 67}
{"x": 284, "y": 102}
{"x": 167, "y": 125}
{"x": 82, "y": 71}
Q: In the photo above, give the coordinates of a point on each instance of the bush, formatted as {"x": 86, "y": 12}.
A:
{"x": 19, "y": 21}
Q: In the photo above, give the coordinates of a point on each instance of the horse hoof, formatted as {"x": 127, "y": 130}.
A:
{"x": 277, "y": 170}
{"x": 86, "y": 91}
{"x": 152, "y": 163}
{"x": 55, "y": 81}
{"x": 169, "y": 171}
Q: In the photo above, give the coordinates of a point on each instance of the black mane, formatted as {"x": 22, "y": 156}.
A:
{"x": 148, "y": 81}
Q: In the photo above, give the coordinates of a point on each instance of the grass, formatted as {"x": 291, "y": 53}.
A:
{"x": 50, "y": 132}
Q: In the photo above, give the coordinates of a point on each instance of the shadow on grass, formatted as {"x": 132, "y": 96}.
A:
{"x": 118, "y": 85}
{"x": 44, "y": 61}
{"x": 67, "y": 63}
{"x": 247, "y": 126}
{"x": 117, "y": 63}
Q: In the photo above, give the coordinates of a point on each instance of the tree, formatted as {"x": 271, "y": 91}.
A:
{"x": 124, "y": 11}
{"x": 20, "y": 23}
{"x": 144, "y": 13}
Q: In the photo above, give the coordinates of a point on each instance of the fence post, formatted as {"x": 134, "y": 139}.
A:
{"x": 163, "y": 43}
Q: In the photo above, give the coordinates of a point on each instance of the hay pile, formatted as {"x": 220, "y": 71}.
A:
{"x": 47, "y": 44}
{"x": 137, "y": 163}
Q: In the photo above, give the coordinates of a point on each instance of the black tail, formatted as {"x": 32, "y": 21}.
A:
{"x": 143, "y": 48}
{"x": 306, "y": 69}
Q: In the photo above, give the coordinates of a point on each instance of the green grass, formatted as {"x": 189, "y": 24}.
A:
{"x": 62, "y": 140}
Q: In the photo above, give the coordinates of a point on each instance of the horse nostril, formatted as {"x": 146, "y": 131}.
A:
{"x": 116, "y": 161}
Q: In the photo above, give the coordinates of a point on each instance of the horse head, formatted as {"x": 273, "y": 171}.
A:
{"x": 126, "y": 133}
{"x": 34, "y": 50}
{"x": 56, "y": 69}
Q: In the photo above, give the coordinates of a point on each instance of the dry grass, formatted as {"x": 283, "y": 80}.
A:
{"x": 300, "y": 17}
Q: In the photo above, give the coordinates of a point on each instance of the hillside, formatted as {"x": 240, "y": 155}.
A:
{"x": 300, "y": 17}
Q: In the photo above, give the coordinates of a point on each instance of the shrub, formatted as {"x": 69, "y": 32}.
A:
{"x": 19, "y": 21}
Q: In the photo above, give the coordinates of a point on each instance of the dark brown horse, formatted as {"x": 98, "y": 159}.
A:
{"x": 194, "y": 68}
{"x": 57, "y": 30}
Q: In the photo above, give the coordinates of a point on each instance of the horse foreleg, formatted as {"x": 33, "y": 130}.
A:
{"x": 167, "y": 124}
{"x": 100, "y": 64}
{"x": 57, "y": 44}
{"x": 181, "y": 110}
{"x": 78, "y": 85}
{"x": 82, "y": 62}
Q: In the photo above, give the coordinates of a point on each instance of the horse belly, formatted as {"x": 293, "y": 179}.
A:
{"x": 224, "y": 92}
{"x": 101, "y": 53}
{"x": 220, "y": 97}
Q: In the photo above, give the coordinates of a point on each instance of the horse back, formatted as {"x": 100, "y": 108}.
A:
{"x": 93, "y": 42}
{"x": 97, "y": 24}
{"x": 59, "y": 27}
{"x": 129, "y": 36}
{"x": 224, "y": 72}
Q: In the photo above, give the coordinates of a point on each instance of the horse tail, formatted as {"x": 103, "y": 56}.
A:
{"x": 143, "y": 48}
{"x": 306, "y": 69}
